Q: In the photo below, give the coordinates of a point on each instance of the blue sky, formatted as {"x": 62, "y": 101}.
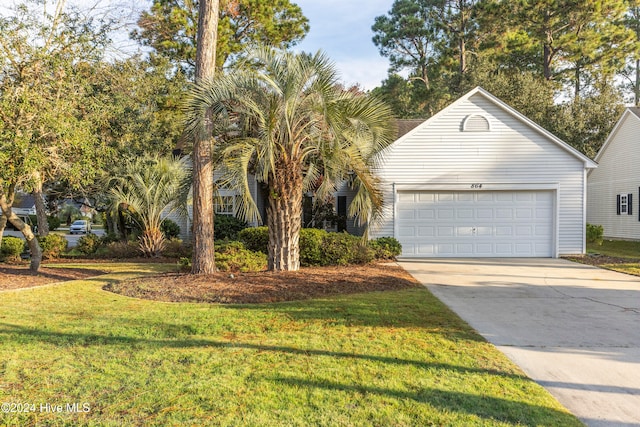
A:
{"x": 342, "y": 28}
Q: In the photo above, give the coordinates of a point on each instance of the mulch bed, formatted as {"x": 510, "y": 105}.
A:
{"x": 19, "y": 276}
{"x": 598, "y": 259}
{"x": 265, "y": 287}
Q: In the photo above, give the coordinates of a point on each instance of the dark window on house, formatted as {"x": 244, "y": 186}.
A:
{"x": 224, "y": 205}
{"x": 624, "y": 204}
{"x": 341, "y": 208}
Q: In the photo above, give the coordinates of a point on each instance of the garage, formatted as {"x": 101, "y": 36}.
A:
{"x": 476, "y": 223}
{"x": 479, "y": 179}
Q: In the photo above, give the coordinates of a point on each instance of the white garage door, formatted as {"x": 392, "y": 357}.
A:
{"x": 476, "y": 224}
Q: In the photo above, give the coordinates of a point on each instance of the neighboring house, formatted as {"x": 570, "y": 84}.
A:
{"x": 24, "y": 204}
{"x": 479, "y": 179}
{"x": 614, "y": 188}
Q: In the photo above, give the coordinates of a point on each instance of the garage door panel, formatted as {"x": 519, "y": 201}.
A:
{"x": 485, "y": 223}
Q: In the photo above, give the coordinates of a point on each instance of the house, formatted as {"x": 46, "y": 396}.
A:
{"x": 479, "y": 179}
{"x": 24, "y": 204}
{"x": 613, "y": 188}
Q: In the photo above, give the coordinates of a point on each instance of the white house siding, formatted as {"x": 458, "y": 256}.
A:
{"x": 618, "y": 172}
{"x": 185, "y": 223}
{"x": 513, "y": 154}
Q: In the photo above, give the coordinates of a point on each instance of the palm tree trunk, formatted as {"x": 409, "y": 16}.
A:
{"x": 284, "y": 218}
{"x": 203, "y": 214}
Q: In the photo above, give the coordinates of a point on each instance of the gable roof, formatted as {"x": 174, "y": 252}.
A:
{"x": 588, "y": 163}
{"x": 24, "y": 201}
{"x": 633, "y": 112}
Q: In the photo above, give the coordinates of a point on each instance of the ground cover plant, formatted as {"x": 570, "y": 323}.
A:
{"x": 396, "y": 358}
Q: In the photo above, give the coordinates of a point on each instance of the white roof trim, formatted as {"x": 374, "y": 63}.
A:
{"x": 627, "y": 112}
{"x": 588, "y": 163}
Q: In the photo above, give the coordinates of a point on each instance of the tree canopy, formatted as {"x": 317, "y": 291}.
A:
{"x": 170, "y": 28}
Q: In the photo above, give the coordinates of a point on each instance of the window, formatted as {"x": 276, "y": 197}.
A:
{"x": 624, "y": 204}
{"x": 225, "y": 205}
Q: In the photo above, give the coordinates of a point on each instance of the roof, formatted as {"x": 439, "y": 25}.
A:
{"x": 407, "y": 125}
{"x": 24, "y": 201}
{"x": 588, "y": 163}
{"x": 630, "y": 111}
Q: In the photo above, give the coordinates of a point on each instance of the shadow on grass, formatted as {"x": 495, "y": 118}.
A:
{"x": 489, "y": 408}
{"x": 66, "y": 339}
{"x": 411, "y": 308}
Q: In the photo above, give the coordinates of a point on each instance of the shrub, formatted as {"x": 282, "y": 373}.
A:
{"x": 110, "y": 237}
{"x": 12, "y": 247}
{"x": 170, "y": 229}
{"x": 228, "y": 227}
{"x": 120, "y": 250}
{"x": 255, "y": 238}
{"x": 385, "y": 247}
{"x": 88, "y": 244}
{"x": 311, "y": 246}
{"x": 344, "y": 249}
{"x": 176, "y": 248}
{"x": 233, "y": 256}
{"x": 52, "y": 245}
{"x": 595, "y": 234}
{"x": 53, "y": 222}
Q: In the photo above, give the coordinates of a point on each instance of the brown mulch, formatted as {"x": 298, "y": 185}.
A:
{"x": 19, "y": 276}
{"x": 266, "y": 286}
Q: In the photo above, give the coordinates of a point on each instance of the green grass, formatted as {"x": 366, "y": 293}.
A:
{"x": 616, "y": 248}
{"x": 387, "y": 359}
{"x": 628, "y": 250}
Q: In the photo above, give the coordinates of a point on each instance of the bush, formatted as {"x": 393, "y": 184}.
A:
{"x": 385, "y": 247}
{"x": 595, "y": 234}
{"x": 110, "y": 237}
{"x": 52, "y": 245}
{"x": 255, "y": 239}
{"x": 53, "y": 222}
{"x": 344, "y": 249}
{"x": 233, "y": 256}
{"x": 170, "y": 229}
{"x": 311, "y": 251}
{"x": 228, "y": 227}
{"x": 176, "y": 248}
{"x": 12, "y": 247}
{"x": 119, "y": 250}
{"x": 88, "y": 244}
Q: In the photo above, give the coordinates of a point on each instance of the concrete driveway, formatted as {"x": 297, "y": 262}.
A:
{"x": 574, "y": 329}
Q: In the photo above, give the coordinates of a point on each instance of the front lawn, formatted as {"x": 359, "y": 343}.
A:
{"x": 396, "y": 358}
{"x": 617, "y": 255}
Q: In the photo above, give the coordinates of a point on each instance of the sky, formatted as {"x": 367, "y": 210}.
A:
{"x": 342, "y": 29}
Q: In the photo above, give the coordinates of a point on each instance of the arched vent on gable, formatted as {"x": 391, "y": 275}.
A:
{"x": 475, "y": 123}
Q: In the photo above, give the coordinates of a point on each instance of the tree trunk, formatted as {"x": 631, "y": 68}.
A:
{"x": 3, "y": 225}
{"x": 284, "y": 218}
{"x": 41, "y": 210}
{"x": 34, "y": 246}
{"x": 203, "y": 208}
{"x": 636, "y": 87}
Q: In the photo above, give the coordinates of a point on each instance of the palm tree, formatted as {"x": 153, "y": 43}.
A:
{"x": 286, "y": 119}
{"x": 152, "y": 187}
